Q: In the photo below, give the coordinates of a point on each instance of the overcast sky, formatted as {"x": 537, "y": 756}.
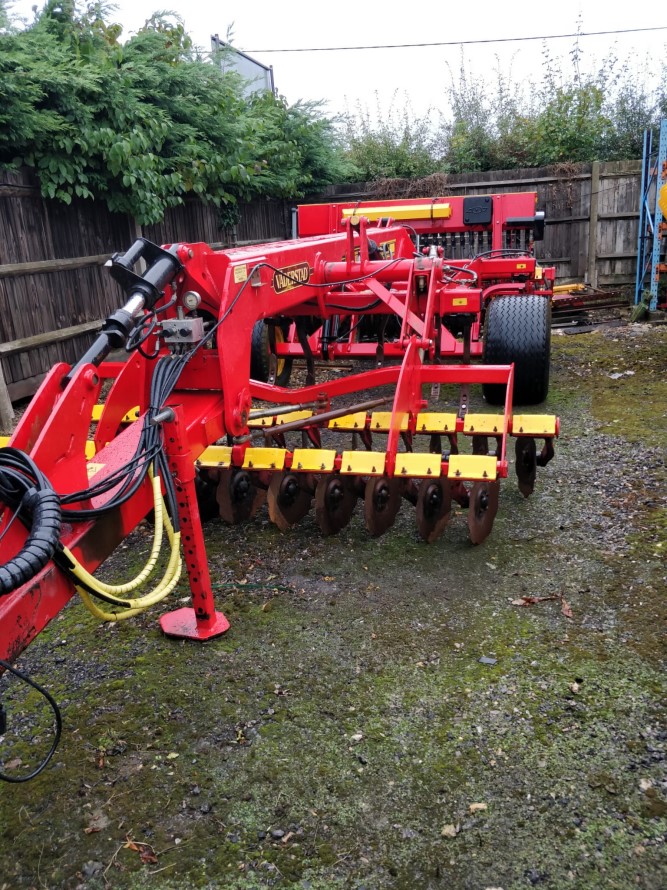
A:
{"x": 420, "y": 75}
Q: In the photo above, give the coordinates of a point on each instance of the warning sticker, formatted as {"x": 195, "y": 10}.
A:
{"x": 240, "y": 273}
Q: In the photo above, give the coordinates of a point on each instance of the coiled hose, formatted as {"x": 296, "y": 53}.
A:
{"x": 26, "y": 489}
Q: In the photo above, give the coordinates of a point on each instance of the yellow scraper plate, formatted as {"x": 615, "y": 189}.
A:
{"x": 421, "y": 465}
{"x": 436, "y": 423}
{"x": 313, "y": 460}
{"x": 264, "y": 458}
{"x": 363, "y": 463}
{"x": 216, "y": 456}
{"x": 484, "y": 424}
{"x": 534, "y": 425}
{"x": 471, "y": 466}
{"x": 381, "y": 421}
{"x": 130, "y": 417}
{"x": 349, "y": 422}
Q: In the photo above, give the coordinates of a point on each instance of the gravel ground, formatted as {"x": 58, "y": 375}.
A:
{"x": 383, "y": 713}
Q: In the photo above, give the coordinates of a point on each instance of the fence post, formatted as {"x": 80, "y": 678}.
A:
{"x": 6, "y": 408}
{"x": 593, "y": 225}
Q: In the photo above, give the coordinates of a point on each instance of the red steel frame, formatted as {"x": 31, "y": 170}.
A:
{"x": 496, "y": 274}
{"x": 213, "y": 396}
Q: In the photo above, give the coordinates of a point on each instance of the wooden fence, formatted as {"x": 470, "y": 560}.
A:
{"x": 54, "y": 291}
{"x": 592, "y": 213}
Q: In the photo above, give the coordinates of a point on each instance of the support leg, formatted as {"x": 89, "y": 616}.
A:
{"x": 201, "y": 621}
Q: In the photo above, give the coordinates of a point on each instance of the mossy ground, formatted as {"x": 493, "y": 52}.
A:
{"x": 348, "y": 709}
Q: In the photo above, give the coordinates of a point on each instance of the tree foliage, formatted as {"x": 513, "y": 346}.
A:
{"x": 568, "y": 116}
{"x": 390, "y": 142}
{"x": 143, "y": 124}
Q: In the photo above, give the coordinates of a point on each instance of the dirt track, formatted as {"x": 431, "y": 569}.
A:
{"x": 345, "y": 733}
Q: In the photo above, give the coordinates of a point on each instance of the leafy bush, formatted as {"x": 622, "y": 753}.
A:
{"x": 143, "y": 124}
{"x": 568, "y": 116}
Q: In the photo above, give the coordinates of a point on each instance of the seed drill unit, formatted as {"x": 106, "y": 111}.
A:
{"x": 407, "y": 294}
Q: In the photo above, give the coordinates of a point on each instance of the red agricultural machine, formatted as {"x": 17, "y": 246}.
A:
{"x": 413, "y": 290}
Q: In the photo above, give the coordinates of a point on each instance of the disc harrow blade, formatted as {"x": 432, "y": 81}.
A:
{"x": 526, "y": 464}
{"x": 434, "y": 508}
{"x": 288, "y": 499}
{"x": 335, "y": 500}
{"x": 206, "y": 488}
{"x": 237, "y": 495}
{"x": 382, "y": 500}
{"x": 482, "y": 510}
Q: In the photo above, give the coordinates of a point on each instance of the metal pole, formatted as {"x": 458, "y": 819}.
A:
{"x": 660, "y": 173}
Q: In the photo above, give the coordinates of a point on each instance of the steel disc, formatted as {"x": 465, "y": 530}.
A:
{"x": 335, "y": 500}
{"x": 526, "y": 464}
{"x": 482, "y": 510}
{"x": 206, "y": 487}
{"x": 237, "y": 495}
{"x": 287, "y": 499}
{"x": 434, "y": 508}
{"x": 480, "y": 444}
{"x": 382, "y": 499}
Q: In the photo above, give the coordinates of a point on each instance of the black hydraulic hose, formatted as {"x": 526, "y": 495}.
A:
{"x": 25, "y": 488}
{"x": 5, "y": 777}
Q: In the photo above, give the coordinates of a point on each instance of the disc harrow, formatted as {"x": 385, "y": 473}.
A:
{"x": 333, "y": 480}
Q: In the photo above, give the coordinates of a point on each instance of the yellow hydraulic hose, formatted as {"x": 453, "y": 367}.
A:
{"x": 115, "y": 592}
{"x": 139, "y": 605}
{"x": 118, "y": 590}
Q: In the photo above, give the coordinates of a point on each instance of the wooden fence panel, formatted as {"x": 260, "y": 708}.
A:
{"x": 617, "y": 232}
{"x": 591, "y": 233}
{"x": 58, "y": 295}
{"x": 565, "y": 193}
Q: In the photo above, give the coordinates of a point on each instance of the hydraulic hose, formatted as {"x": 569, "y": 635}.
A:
{"x": 114, "y": 591}
{"x": 24, "y": 487}
{"x": 88, "y": 586}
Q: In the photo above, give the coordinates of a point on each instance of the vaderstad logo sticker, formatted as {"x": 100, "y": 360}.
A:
{"x": 290, "y": 277}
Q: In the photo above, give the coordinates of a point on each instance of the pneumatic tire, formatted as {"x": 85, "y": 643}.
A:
{"x": 260, "y": 352}
{"x": 518, "y": 329}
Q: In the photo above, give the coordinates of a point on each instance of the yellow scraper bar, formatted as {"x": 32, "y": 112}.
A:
{"x": 401, "y": 211}
{"x": 436, "y": 423}
{"x": 363, "y": 463}
{"x": 472, "y": 466}
{"x": 534, "y": 425}
{"x": 263, "y": 458}
{"x": 260, "y": 422}
{"x": 90, "y": 446}
{"x": 421, "y": 465}
{"x": 484, "y": 424}
{"x": 349, "y": 422}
